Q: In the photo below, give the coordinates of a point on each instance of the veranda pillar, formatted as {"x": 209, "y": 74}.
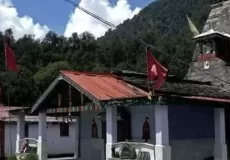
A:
{"x": 163, "y": 150}
{"x": 76, "y": 154}
{"x": 42, "y": 141}
{"x": 20, "y": 130}
{"x": 220, "y": 147}
{"x": 111, "y": 130}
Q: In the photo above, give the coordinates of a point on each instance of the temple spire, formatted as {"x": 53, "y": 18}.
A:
{"x": 192, "y": 27}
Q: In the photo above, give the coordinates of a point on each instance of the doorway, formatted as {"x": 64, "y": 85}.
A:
{"x": 123, "y": 125}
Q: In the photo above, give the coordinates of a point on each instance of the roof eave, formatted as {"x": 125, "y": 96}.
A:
{"x": 205, "y": 98}
{"x": 206, "y": 37}
{"x": 45, "y": 94}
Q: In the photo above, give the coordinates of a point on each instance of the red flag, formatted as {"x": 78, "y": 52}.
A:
{"x": 10, "y": 59}
{"x": 155, "y": 70}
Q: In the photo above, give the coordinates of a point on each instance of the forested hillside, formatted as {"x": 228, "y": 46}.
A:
{"x": 162, "y": 24}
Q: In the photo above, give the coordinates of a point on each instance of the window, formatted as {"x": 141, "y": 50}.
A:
{"x": 64, "y": 129}
{"x": 26, "y": 130}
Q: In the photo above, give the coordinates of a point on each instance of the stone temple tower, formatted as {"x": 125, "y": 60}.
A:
{"x": 212, "y": 52}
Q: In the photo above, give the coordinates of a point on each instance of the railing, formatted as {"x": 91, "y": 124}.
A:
{"x": 133, "y": 150}
{"x": 32, "y": 148}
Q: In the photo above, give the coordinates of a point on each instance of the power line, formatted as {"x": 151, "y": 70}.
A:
{"x": 140, "y": 40}
{"x": 92, "y": 14}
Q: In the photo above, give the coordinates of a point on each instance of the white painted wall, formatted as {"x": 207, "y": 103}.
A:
{"x": 189, "y": 149}
{"x": 86, "y": 124}
{"x": 56, "y": 144}
{"x": 10, "y": 139}
{"x": 59, "y": 145}
{"x": 194, "y": 149}
{"x": 91, "y": 148}
{"x": 138, "y": 114}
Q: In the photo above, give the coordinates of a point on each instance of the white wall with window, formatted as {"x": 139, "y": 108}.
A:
{"x": 60, "y": 137}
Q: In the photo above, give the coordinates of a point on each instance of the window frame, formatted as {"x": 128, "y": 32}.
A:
{"x": 64, "y": 129}
{"x": 26, "y": 130}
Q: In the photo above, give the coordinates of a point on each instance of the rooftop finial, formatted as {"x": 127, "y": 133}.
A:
{"x": 192, "y": 27}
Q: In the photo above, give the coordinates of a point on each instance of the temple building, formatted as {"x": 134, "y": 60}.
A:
{"x": 211, "y": 57}
{"x": 116, "y": 118}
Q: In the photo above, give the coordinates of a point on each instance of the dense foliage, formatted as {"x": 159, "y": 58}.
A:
{"x": 162, "y": 24}
{"x": 29, "y": 156}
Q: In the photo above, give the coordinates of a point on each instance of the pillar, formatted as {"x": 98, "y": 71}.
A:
{"x": 162, "y": 148}
{"x": 20, "y": 130}
{"x": 220, "y": 147}
{"x": 42, "y": 141}
{"x": 76, "y": 138}
{"x": 111, "y": 130}
{"x": 201, "y": 48}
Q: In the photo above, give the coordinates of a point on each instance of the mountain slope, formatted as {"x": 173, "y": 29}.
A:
{"x": 163, "y": 24}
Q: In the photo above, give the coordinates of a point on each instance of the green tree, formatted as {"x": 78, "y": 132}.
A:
{"x": 162, "y": 24}
{"x": 44, "y": 77}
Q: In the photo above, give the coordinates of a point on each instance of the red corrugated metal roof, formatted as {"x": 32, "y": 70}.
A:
{"x": 104, "y": 86}
{"x": 4, "y": 111}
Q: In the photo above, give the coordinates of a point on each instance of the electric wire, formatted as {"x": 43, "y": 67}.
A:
{"x": 92, "y": 14}
{"x": 142, "y": 41}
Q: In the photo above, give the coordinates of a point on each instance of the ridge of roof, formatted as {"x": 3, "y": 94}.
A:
{"x": 121, "y": 74}
{"x": 98, "y": 74}
{"x": 170, "y": 78}
{"x": 86, "y": 73}
{"x": 174, "y": 85}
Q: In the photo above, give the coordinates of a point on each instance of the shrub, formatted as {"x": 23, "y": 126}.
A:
{"x": 12, "y": 158}
{"x": 31, "y": 156}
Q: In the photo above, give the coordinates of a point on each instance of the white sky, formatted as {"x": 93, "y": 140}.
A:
{"x": 20, "y": 25}
{"x": 78, "y": 21}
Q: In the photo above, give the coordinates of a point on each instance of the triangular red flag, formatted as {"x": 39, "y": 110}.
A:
{"x": 155, "y": 70}
{"x": 10, "y": 59}
{"x": 151, "y": 67}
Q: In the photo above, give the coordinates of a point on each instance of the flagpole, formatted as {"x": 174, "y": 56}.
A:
{"x": 150, "y": 98}
{"x": 8, "y": 99}
{"x": 8, "y": 102}
{"x": 146, "y": 50}
{"x": 151, "y": 107}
